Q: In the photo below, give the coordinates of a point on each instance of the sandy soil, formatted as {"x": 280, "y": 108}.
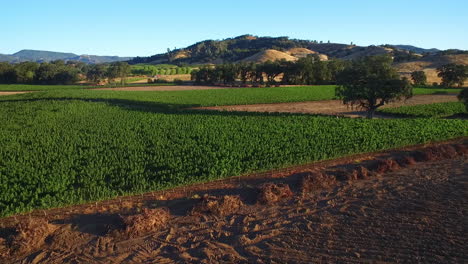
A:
{"x": 412, "y": 212}
{"x": 14, "y": 92}
{"x": 330, "y": 107}
{"x": 165, "y": 88}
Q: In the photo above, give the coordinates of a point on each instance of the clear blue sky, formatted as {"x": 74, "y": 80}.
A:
{"x": 147, "y": 27}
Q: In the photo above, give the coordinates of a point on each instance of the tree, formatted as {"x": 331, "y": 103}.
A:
{"x": 419, "y": 78}
{"x": 96, "y": 73}
{"x": 452, "y": 74}
{"x": 118, "y": 70}
{"x": 271, "y": 69}
{"x": 370, "y": 83}
{"x": 7, "y": 73}
{"x": 463, "y": 96}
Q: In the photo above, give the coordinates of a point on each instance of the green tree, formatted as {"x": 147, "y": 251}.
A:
{"x": 419, "y": 78}
{"x": 370, "y": 83}
{"x": 96, "y": 73}
{"x": 271, "y": 69}
{"x": 452, "y": 74}
{"x": 25, "y": 72}
{"x": 118, "y": 70}
{"x": 7, "y": 73}
{"x": 463, "y": 96}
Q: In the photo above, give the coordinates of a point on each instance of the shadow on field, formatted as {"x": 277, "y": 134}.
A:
{"x": 164, "y": 108}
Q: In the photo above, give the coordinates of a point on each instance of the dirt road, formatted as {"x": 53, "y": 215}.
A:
{"x": 165, "y": 88}
{"x": 330, "y": 107}
{"x": 11, "y": 93}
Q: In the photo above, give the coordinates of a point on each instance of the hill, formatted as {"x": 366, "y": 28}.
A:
{"x": 428, "y": 64}
{"x": 47, "y": 56}
{"x": 415, "y": 49}
{"x": 257, "y": 49}
{"x": 269, "y": 55}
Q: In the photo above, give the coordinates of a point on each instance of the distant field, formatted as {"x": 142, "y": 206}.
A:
{"x": 30, "y": 87}
{"x": 70, "y": 146}
{"x": 428, "y": 110}
{"x": 206, "y": 97}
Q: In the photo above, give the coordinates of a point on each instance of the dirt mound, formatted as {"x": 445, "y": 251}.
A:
{"x": 269, "y": 55}
{"x": 269, "y": 193}
{"x": 385, "y": 165}
{"x": 406, "y": 161}
{"x": 31, "y": 235}
{"x": 315, "y": 181}
{"x": 439, "y": 152}
{"x": 220, "y": 206}
{"x": 149, "y": 220}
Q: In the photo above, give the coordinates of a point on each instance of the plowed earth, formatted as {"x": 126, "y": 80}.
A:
{"x": 330, "y": 107}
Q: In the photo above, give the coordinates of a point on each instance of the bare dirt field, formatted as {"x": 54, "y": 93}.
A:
{"x": 11, "y": 93}
{"x": 164, "y": 88}
{"x": 407, "y": 206}
{"x": 330, "y": 107}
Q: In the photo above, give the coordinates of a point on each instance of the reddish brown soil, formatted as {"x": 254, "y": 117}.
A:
{"x": 14, "y": 92}
{"x": 402, "y": 206}
{"x": 164, "y": 88}
{"x": 330, "y": 107}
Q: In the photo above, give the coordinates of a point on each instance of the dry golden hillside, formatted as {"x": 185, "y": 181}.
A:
{"x": 303, "y": 52}
{"x": 429, "y": 64}
{"x": 269, "y": 55}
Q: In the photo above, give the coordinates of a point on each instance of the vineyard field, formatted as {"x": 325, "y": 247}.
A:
{"x": 65, "y": 147}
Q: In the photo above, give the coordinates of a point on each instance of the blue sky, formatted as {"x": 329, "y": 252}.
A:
{"x": 145, "y": 27}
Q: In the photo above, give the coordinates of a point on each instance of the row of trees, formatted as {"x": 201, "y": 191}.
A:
{"x": 451, "y": 75}
{"x": 59, "y": 72}
{"x": 307, "y": 71}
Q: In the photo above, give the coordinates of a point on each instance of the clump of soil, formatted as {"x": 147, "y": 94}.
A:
{"x": 405, "y": 161}
{"x": 462, "y": 149}
{"x": 220, "y": 206}
{"x": 149, "y": 220}
{"x": 316, "y": 180}
{"x": 361, "y": 172}
{"x": 31, "y": 234}
{"x": 4, "y": 250}
{"x": 271, "y": 193}
{"x": 382, "y": 166}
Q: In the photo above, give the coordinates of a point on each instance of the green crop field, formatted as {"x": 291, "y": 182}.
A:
{"x": 69, "y": 146}
{"x": 428, "y": 110}
{"x": 200, "y": 97}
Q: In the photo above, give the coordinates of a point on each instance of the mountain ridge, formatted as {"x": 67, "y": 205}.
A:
{"x": 48, "y": 56}
{"x": 231, "y": 50}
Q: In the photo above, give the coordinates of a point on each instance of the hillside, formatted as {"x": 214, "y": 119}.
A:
{"x": 47, "y": 56}
{"x": 415, "y": 49}
{"x": 269, "y": 55}
{"x": 428, "y": 64}
{"x": 258, "y": 49}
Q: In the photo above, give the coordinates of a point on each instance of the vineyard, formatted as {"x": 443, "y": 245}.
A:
{"x": 161, "y": 69}
{"x": 71, "y": 146}
{"x": 198, "y": 97}
{"x": 429, "y": 110}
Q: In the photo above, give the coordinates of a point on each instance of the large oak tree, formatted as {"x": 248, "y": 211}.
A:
{"x": 370, "y": 83}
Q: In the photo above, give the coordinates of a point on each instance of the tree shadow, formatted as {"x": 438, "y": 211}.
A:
{"x": 98, "y": 224}
{"x": 158, "y": 107}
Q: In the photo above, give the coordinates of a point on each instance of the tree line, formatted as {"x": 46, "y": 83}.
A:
{"x": 59, "y": 72}
{"x": 451, "y": 75}
{"x": 306, "y": 71}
